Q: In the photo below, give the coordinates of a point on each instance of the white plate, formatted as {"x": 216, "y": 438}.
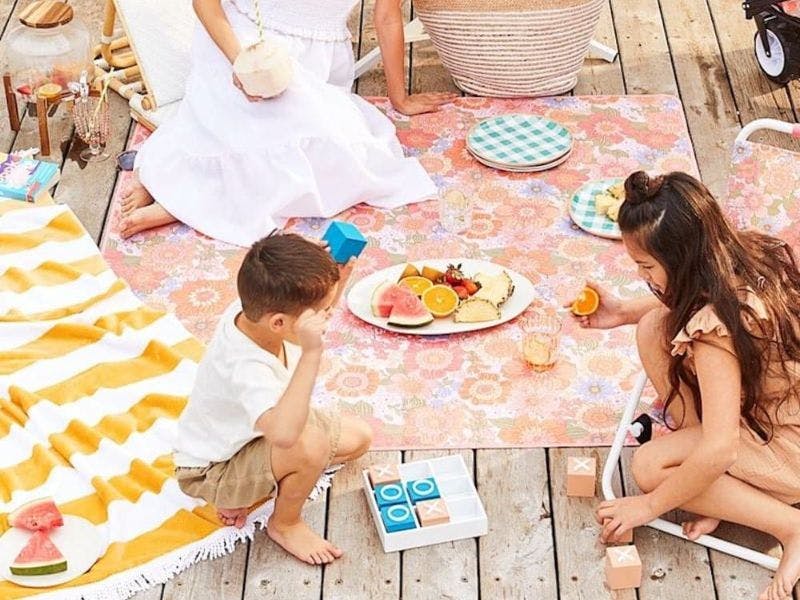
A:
{"x": 78, "y": 540}
{"x": 359, "y": 299}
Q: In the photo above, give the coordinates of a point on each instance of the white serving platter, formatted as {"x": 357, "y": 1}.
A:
{"x": 467, "y": 514}
{"x": 78, "y": 540}
{"x": 359, "y": 299}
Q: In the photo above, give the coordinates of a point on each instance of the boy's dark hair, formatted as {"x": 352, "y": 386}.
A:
{"x": 284, "y": 273}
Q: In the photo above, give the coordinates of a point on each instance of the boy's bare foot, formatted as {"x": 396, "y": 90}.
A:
{"x": 701, "y": 526}
{"x": 788, "y": 571}
{"x": 146, "y": 217}
{"x": 233, "y": 516}
{"x": 300, "y": 541}
{"x": 135, "y": 196}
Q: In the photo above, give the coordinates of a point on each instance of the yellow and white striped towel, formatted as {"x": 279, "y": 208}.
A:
{"x": 91, "y": 383}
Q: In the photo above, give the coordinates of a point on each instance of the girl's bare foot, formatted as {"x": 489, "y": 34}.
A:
{"x": 233, "y": 516}
{"x": 300, "y": 541}
{"x": 788, "y": 571}
{"x": 135, "y": 196}
{"x": 701, "y": 526}
{"x": 146, "y": 217}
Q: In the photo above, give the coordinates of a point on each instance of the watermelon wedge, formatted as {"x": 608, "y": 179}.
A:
{"x": 409, "y": 311}
{"x": 38, "y": 515}
{"x": 386, "y": 295}
{"x": 39, "y": 557}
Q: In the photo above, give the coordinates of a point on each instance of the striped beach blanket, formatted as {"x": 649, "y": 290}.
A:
{"x": 91, "y": 384}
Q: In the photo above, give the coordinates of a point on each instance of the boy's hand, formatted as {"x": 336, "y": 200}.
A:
{"x": 309, "y": 328}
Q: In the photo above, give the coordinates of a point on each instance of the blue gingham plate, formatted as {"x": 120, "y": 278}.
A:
{"x": 583, "y": 212}
{"x": 518, "y": 140}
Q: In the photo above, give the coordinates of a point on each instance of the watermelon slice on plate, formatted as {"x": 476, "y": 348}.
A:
{"x": 39, "y": 557}
{"x": 38, "y": 515}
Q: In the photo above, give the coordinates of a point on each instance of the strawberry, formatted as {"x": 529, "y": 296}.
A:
{"x": 462, "y": 292}
{"x": 471, "y": 286}
{"x": 453, "y": 275}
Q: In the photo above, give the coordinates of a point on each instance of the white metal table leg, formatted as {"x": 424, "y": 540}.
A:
{"x": 607, "y": 53}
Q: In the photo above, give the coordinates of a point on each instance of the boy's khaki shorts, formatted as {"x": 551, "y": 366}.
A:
{"x": 246, "y": 478}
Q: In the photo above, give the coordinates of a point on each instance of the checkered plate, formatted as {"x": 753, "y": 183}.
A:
{"x": 583, "y": 213}
{"x": 519, "y": 140}
{"x": 533, "y": 169}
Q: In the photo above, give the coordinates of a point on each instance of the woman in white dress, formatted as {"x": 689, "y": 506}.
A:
{"x": 234, "y": 167}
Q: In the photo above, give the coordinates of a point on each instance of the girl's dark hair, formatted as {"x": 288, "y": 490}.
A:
{"x": 284, "y": 273}
{"x": 676, "y": 219}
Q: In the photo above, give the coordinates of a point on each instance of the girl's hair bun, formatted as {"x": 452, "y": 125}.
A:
{"x": 640, "y": 187}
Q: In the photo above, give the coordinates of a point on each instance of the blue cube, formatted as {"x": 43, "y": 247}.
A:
{"x": 390, "y": 493}
{"x": 344, "y": 241}
{"x": 422, "y": 489}
{"x": 397, "y": 518}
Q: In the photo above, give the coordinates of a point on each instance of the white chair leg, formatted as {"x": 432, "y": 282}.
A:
{"x": 748, "y": 554}
{"x": 413, "y": 32}
{"x": 599, "y": 50}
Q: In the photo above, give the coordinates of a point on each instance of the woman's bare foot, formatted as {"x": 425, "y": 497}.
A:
{"x": 701, "y": 526}
{"x": 146, "y": 217}
{"x": 300, "y": 541}
{"x": 233, "y": 516}
{"x": 135, "y": 196}
{"x": 788, "y": 571}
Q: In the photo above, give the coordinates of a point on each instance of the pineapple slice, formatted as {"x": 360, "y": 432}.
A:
{"x": 494, "y": 288}
{"x": 613, "y": 212}
{"x": 476, "y": 310}
{"x": 617, "y": 190}
{"x": 603, "y": 202}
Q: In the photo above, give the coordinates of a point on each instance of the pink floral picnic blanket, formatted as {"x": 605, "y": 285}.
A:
{"x": 470, "y": 390}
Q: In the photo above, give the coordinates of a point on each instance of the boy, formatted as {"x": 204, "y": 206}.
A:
{"x": 247, "y": 429}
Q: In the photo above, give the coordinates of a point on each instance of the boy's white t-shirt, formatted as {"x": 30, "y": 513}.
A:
{"x": 237, "y": 381}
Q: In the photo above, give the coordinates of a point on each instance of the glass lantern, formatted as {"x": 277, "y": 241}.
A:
{"x": 48, "y": 46}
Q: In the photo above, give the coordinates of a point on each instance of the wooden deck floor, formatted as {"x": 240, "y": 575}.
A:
{"x": 541, "y": 545}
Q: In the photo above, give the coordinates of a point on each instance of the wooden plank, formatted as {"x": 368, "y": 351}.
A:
{"x": 704, "y": 88}
{"x": 597, "y": 75}
{"x": 445, "y": 570}
{"x": 154, "y": 593}
{"x": 221, "y": 579}
{"x": 581, "y": 556}
{"x": 734, "y": 578}
{"x": 517, "y": 556}
{"x": 643, "y": 48}
{"x": 673, "y": 569}
{"x": 373, "y": 83}
{"x": 364, "y": 571}
{"x": 273, "y": 573}
{"x": 7, "y": 8}
{"x": 87, "y": 188}
{"x": 755, "y": 96}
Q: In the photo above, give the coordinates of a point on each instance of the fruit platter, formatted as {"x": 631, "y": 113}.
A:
{"x": 45, "y": 548}
{"x": 439, "y": 297}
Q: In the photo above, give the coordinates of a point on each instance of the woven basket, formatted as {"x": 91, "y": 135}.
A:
{"x": 511, "y": 48}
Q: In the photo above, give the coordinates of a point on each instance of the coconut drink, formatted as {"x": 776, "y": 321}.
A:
{"x": 264, "y": 69}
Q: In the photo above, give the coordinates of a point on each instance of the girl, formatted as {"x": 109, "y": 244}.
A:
{"x": 235, "y": 167}
{"x": 720, "y": 340}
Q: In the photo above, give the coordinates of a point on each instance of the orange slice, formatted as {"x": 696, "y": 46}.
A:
{"x": 587, "y": 302}
{"x": 417, "y": 284}
{"x": 440, "y": 300}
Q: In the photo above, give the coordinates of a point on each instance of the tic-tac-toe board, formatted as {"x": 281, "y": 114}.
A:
{"x": 424, "y": 502}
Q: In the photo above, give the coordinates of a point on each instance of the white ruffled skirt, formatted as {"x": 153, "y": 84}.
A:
{"x": 234, "y": 169}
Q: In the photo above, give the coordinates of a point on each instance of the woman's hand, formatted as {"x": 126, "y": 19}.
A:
{"x": 611, "y": 312}
{"x": 621, "y": 515}
{"x": 417, "y": 104}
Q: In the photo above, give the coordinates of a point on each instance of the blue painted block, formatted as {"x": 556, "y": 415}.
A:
{"x": 344, "y": 241}
{"x": 390, "y": 493}
{"x": 422, "y": 489}
{"x": 397, "y": 518}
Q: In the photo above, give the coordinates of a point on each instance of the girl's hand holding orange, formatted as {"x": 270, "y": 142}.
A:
{"x": 596, "y": 308}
